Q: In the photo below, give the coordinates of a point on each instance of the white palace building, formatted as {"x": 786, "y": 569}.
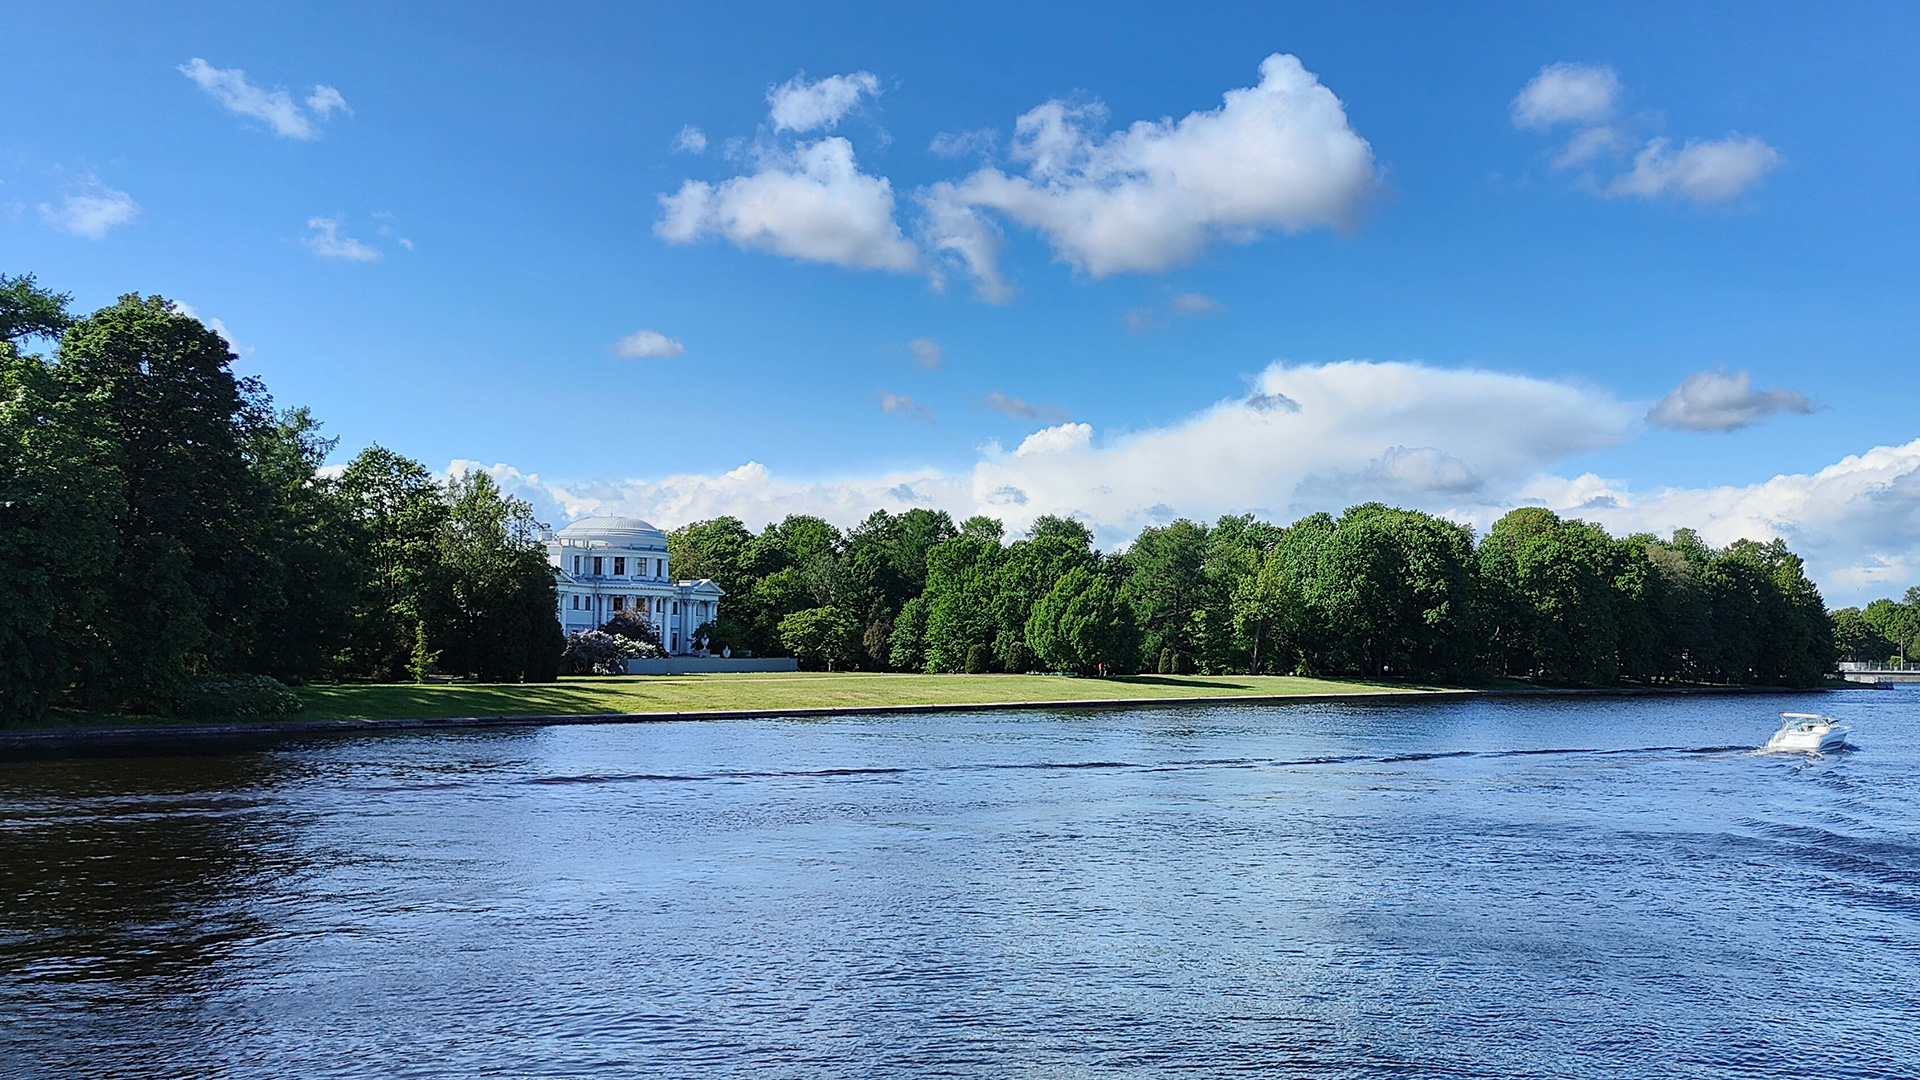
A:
{"x": 613, "y": 564}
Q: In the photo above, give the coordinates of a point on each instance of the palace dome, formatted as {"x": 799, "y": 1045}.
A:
{"x": 614, "y": 532}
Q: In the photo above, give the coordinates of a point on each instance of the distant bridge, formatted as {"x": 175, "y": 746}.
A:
{"x": 1876, "y": 674}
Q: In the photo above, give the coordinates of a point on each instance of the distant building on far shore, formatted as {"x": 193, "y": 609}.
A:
{"x": 614, "y": 564}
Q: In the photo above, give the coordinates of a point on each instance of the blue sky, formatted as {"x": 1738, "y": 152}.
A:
{"x": 1403, "y": 275}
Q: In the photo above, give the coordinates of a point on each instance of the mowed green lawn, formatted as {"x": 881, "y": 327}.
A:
{"x": 792, "y": 690}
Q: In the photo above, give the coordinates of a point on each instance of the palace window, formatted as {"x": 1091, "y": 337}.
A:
{"x": 576, "y": 564}
{"x": 659, "y": 568}
{"x": 619, "y": 566}
{"x": 597, "y": 562}
{"x": 617, "y": 601}
{"x": 676, "y": 607}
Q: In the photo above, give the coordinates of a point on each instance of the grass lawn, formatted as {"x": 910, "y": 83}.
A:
{"x": 789, "y": 690}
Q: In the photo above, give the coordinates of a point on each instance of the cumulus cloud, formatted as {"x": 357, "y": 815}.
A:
{"x": 1279, "y": 155}
{"x": 229, "y": 87}
{"x": 325, "y": 240}
{"x": 1312, "y": 437}
{"x": 690, "y": 140}
{"x": 1856, "y": 522}
{"x": 927, "y": 353}
{"x": 1023, "y": 410}
{"x": 902, "y": 405}
{"x": 812, "y": 204}
{"x": 648, "y": 345}
{"x": 90, "y": 209}
{"x": 1702, "y": 171}
{"x": 1563, "y": 93}
{"x": 1717, "y": 401}
{"x": 799, "y": 105}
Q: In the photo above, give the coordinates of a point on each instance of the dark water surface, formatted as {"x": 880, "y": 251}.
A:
{"x": 1593, "y": 887}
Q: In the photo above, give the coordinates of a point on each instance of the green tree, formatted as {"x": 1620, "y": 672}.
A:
{"x": 1167, "y": 585}
{"x": 1387, "y": 591}
{"x": 307, "y": 531}
{"x": 497, "y": 616}
{"x": 396, "y": 513}
{"x": 1856, "y": 639}
{"x": 959, "y": 597}
{"x": 1549, "y": 599}
{"x": 821, "y": 638}
{"x": 1082, "y": 624}
{"x": 188, "y": 577}
{"x": 60, "y": 496}
{"x": 1268, "y": 609}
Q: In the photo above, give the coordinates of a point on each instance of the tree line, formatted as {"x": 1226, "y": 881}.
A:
{"x": 162, "y": 523}
{"x": 1376, "y": 591}
{"x": 1885, "y": 630}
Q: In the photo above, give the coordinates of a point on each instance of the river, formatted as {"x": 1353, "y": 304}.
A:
{"x": 1506, "y": 887}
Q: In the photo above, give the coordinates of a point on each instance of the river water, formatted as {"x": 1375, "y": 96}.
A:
{"x": 1499, "y": 888}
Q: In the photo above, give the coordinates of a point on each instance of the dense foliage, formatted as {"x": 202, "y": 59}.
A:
{"x": 1376, "y": 591}
{"x": 163, "y": 528}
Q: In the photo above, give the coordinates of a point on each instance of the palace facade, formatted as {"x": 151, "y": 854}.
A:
{"x": 612, "y": 564}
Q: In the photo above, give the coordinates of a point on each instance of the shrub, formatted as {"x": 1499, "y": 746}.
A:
{"x": 237, "y": 695}
{"x": 634, "y": 626}
{"x": 596, "y": 652}
{"x": 979, "y": 659}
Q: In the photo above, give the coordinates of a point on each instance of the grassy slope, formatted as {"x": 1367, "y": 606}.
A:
{"x": 675, "y": 693}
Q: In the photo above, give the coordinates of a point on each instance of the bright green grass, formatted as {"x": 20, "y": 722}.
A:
{"x": 695, "y": 693}
{"x": 791, "y": 690}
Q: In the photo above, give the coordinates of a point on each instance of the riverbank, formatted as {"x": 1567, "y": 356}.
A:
{"x": 582, "y": 700}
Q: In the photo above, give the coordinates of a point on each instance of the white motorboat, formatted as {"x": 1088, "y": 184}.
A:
{"x": 1802, "y": 732}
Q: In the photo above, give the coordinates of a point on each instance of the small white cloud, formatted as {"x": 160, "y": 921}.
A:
{"x": 814, "y": 204}
{"x": 648, "y": 345}
{"x": 1562, "y": 93}
{"x": 799, "y": 105}
{"x": 1279, "y": 155}
{"x": 961, "y": 235}
{"x": 691, "y": 140}
{"x": 1702, "y": 171}
{"x": 1191, "y": 304}
{"x": 1022, "y": 410}
{"x": 1143, "y": 321}
{"x": 1588, "y": 145}
{"x": 325, "y": 101}
{"x": 1717, "y": 401}
{"x": 902, "y": 405}
{"x": 324, "y": 240}
{"x": 927, "y": 353}
{"x": 965, "y": 143}
{"x": 229, "y": 87}
{"x": 90, "y": 209}
{"x": 405, "y": 243}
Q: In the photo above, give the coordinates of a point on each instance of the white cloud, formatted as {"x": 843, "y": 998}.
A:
{"x": 903, "y": 405}
{"x": 813, "y": 204}
{"x": 963, "y": 236}
{"x": 323, "y": 239}
{"x": 964, "y": 143}
{"x": 1023, "y": 410}
{"x": 799, "y": 105}
{"x": 1312, "y": 437}
{"x": 1702, "y": 171}
{"x": 90, "y": 209}
{"x": 1188, "y": 303}
{"x": 1717, "y": 401}
{"x": 648, "y": 345}
{"x": 1278, "y": 155}
{"x": 1561, "y": 93}
{"x": 691, "y": 140}
{"x": 325, "y": 101}
{"x": 229, "y": 87}
{"x": 927, "y": 353}
{"x": 1856, "y": 522}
